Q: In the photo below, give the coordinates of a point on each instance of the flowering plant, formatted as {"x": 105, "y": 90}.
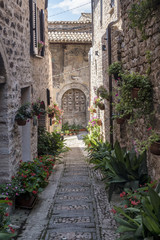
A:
{"x": 40, "y": 45}
{"x": 97, "y": 100}
{"x": 6, "y": 231}
{"x": 24, "y": 112}
{"x": 150, "y": 138}
{"x": 37, "y": 108}
{"x": 55, "y": 112}
{"x": 12, "y": 188}
{"x": 92, "y": 110}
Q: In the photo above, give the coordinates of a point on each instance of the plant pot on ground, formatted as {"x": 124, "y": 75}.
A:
{"x": 155, "y": 148}
{"x": 25, "y": 200}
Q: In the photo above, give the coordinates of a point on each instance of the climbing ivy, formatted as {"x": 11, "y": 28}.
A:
{"x": 140, "y": 12}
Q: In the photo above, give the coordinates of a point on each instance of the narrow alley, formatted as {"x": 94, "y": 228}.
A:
{"x": 74, "y": 206}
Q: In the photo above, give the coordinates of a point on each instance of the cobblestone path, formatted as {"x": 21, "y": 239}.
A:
{"x": 73, "y": 215}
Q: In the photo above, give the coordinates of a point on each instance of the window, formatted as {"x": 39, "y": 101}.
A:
{"x": 112, "y": 3}
{"x": 37, "y": 29}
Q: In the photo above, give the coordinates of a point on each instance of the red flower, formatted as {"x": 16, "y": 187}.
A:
{"x": 34, "y": 192}
{"x": 125, "y": 206}
{"x": 13, "y": 177}
{"x": 11, "y": 229}
{"x": 25, "y": 176}
{"x": 122, "y": 194}
{"x": 9, "y": 203}
{"x": 113, "y": 210}
{"x": 6, "y": 214}
{"x": 135, "y": 203}
{"x": 149, "y": 128}
{"x": 6, "y": 198}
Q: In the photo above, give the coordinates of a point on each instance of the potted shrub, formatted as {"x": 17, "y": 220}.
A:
{"x": 23, "y": 113}
{"x": 55, "y": 112}
{"x": 115, "y": 69}
{"x": 150, "y": 142}
{"x": 98, "y": 103}
{"x": 103, "y": 93}
{"x": 37, "y": 108}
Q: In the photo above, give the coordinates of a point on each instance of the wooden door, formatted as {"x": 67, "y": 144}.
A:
{"x": 74, "y": 107}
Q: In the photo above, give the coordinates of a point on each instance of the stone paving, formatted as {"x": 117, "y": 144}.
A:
{"x": 74, "y": 206}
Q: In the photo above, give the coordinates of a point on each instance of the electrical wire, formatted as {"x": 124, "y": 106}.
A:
{"x": 78, "y": 69}
{"x": 70, "y": 9}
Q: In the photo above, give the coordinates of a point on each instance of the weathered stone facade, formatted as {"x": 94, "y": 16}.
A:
{"x": 128, "y": 46}
{"x": 103, "y": 14}
{"x": 24, "y": 77}
{"x": 69, "y": 45}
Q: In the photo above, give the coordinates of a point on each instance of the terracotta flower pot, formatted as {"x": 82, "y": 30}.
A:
{"x": 134, "y": 92}
{"x": 101, "y": 106}
{"x": 25, "y": 201}
{"x": 120, "y": 120}
{"x": 21, "y": 122}
{"x": 155, "y": 148}
{"x": 51, "y": 115}
{"x": 99, "y": 122}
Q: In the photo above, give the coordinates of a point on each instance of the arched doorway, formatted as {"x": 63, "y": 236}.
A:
{"x": 74, "y": 107}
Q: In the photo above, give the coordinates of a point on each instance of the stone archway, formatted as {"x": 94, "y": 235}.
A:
{"x": 83, "y": 88}
{"x": 74, "y": 107}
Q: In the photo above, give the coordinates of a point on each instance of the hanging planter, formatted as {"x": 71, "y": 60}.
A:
{"x": 134, "y": 92}
{"x": 99, "y": 122}
{"x": 21, "y": 122}
{"x": 120, "y": 120}
{"x": 101, "y": 106}
{"x": 51, "y": 115}
{"x": 155, "y": 148}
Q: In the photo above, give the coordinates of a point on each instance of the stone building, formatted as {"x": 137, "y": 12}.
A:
{"x": 70, "y": 42}
{"x": 114, "y": 39}
{"x": 25, "y": 76}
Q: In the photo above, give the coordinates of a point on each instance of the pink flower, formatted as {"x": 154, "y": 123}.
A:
{"x": 125, "y": 206}
{"x": 113, "y": 211}
{"x": 149, "y": 128}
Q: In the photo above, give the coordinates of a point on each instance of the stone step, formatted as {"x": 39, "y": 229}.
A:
{"x": 71, "y": 198}
{"x": 90, "y": 227}
{"x": 73, "y": 213}
{"x": 72, "y": 235}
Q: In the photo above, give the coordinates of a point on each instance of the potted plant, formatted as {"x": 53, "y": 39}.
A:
{"x": 37, "y": 108}
{"x": 40, "y": 46}
{"x": 103, "y": 93}
{"x": 150, "y": 142}
{"x": 115, "y": 69}
{"x": 98, "y": 103}
{"x": 55, "y": 112}
{"x": 23, "y": 113}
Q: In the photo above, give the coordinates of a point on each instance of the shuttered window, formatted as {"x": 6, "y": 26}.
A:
{"x": 112, "y": 3}
{"x": 46, "y": 4}
{"x": 36, "y": 28}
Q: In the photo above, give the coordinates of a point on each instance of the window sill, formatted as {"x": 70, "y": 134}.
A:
{"x": 38, "y": 56}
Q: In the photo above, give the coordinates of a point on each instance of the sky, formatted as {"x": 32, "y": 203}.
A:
{"x": 75, "y": 8}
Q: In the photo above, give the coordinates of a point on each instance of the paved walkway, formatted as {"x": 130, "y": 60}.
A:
{"x": 74, "y": 205}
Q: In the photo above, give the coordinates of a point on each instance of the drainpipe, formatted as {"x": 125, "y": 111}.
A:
{"x": 92, "y": 9}
{"x": 108, "y": 38}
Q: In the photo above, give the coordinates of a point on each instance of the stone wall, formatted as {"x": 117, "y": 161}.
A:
{"x": 99, "y": 56}
{"x": 70, "y": 68}
{"x": 27, "y": 78}
{"x": 128, "y": 46}
{"x": 133, "y": 56}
